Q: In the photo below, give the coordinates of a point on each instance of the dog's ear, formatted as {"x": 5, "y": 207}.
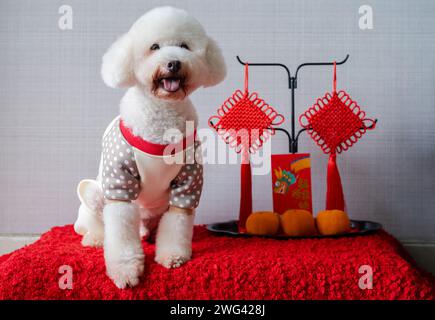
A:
{"x": 117, "y": 68}
{"x": 217, "y": 69}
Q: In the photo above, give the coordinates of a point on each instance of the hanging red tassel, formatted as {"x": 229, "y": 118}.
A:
{"x": 335, "y": 122}
{"x": 245, "y": 195}
{"x": 334, "y": 189}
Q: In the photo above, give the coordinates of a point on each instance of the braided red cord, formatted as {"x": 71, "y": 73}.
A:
{"x": 335, "y": 122}
{"x": 244, "y": 121}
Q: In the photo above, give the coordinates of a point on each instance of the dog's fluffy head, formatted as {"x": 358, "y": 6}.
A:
{"x": 166, "y": 52}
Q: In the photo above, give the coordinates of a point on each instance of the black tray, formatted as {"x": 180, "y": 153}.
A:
{"x": 359, "y": 228}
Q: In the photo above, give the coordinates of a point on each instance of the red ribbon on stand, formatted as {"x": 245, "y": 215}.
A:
{"x": 334, "y": 188}
{"x": 245, "y": 174}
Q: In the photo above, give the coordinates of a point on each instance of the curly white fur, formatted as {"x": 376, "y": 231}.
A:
{"x": 89, "y": 221}
{"x": 174, "y": 237}
{"x": 128, "y": 62}
{"x": 123, "y": 250}
{"x": 149, "y": 118}
{"x": 149, "y": 108}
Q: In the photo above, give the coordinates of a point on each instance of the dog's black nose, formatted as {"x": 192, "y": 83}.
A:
{"x": 174, "y": 66}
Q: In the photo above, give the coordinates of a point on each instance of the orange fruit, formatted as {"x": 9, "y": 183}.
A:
{"x": 330, "y": 222}
{"x": 298, "y": 223}
{"x": 263, "y": 223}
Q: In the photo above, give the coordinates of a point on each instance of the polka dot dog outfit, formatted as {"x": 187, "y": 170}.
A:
{"x": 134, "y": 169}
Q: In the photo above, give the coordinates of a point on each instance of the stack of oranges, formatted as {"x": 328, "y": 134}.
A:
{"x": 298, "y": 223}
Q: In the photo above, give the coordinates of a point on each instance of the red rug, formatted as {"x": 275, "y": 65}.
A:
{"x": 222, "y": 268}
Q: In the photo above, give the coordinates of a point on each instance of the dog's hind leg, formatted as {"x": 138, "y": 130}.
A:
{"x": 89, "y": 222}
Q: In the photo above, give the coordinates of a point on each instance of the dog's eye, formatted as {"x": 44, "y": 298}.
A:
{"x": 184, "y": 46}
{"x": 154, "y": 47}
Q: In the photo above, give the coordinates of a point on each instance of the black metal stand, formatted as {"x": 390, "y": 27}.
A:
{"x": 292, "y": 84}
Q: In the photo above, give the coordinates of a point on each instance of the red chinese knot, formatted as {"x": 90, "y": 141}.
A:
{"x": 245, "y": 120}
{"x": 335, "y": 122}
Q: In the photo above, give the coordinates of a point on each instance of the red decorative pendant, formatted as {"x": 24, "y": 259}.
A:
{"x": 335, "y": 122}
{"x": 244, "y": 121}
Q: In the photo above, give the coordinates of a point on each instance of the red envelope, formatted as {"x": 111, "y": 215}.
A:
{"x": 291, "y": 182}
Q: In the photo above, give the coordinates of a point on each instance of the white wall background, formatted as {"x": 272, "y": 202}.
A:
{"x": 54, "y": 105}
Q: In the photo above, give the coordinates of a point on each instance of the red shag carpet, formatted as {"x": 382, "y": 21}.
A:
{"x": 222, "y": 268}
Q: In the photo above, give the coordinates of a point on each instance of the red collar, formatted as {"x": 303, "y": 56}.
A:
{"x": 154, "y": 149}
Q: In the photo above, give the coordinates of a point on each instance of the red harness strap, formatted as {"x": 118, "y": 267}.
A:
{"x": 154, "y": 149}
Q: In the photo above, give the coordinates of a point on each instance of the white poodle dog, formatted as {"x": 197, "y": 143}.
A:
{"x": 163, "y": 58}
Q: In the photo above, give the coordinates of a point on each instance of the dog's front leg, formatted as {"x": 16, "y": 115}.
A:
{"x": 174, "y": 237}
{"x": 123, "y": 251}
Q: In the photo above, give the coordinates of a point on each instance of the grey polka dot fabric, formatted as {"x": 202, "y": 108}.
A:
{"x": 186, "y": 188}
{"x": 121, "y": 180}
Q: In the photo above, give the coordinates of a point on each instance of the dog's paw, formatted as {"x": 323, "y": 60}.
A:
{"x": 169, "y": 260}
{"x": 127, "y": 271}
{"x": 92, "y": 240}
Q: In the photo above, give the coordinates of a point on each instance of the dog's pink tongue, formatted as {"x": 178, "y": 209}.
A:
{"x": 171, "y": 85}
